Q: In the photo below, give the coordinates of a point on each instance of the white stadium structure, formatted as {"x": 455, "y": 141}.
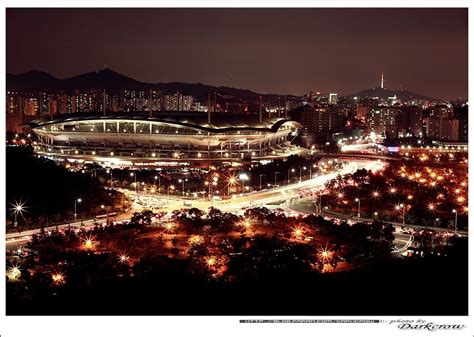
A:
{"x": 166, "y": 138}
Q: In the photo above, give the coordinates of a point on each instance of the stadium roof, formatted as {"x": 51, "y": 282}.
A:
{"x": 219, "y": 122}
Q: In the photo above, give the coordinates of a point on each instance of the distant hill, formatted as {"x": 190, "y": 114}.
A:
{"x": 33, "y": 79}
{"x": 404, "y": 95}
{"x": 112, "y": 81}
{"x": 103, "y": 79}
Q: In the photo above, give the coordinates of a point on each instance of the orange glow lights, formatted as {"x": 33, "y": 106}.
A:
{"x": 196, "y": 239}
{"x": 324, "y": 254}
{"x": 58, "y": 278}
{"x": 88, "y": 242}
{"x": 169, "y": 227}
{"x": 123, "y": 258}
{"x": 211, "y": 261}
{"x": 376, "y": 194}
{"x": 298, "y": 233}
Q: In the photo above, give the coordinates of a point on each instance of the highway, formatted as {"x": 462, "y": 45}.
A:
{"x": 237, "y": 204}
{"x": 16, "y": 239}
{"x": 265, "y": 196}
{"x": 401, "y": 241}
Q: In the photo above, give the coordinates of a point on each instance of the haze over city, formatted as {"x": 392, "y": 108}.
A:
{"x": 279, "y": 51}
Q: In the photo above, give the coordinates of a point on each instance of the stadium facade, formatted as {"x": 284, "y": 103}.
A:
{"x": 164, "y": 138}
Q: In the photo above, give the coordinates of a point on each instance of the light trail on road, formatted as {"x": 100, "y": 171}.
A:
{"x": 235, "y": 204}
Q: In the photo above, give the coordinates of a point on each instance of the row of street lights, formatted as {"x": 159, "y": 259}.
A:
{"x": 231, "y": 182}
{"x": 402, "y": 208}
{"x": 301, "y": 169}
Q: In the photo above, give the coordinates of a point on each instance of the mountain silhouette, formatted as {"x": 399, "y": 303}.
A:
{"x": 112, "y": 81}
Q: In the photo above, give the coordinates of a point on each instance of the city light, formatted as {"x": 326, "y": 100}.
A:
{"x": 14, "y": 272}
{"x": 88, "y": 242}
{"x": 247, "y": 224}
{"x": 324, "y": 254}
{"x": 58, "y": 278}
{"x": 123, "y": 258}
{"x": 298, "y": 232}
{"x": 196, "y": 239}
{"x": 18, "y": 207}
{"x": 243, "y": 176}
{"x": 211, "y": 261}
{"x": 169, "y": 227}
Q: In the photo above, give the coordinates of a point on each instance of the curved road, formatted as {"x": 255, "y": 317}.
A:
{"x": 236, "y": 204}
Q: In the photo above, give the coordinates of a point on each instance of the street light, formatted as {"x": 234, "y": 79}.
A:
{"x": 75, "y": 208}
{"x": 109, "y": 171}
{"x": 244, "y": 177}
{"x": 182, "y": 181}
{"x": 261, "y": 180}
{"x": 358, "y": 207}
{"x": 311, "y": 170}
{"x": 231, "y": 182}
{"x": 455, "y": 221}
{"x": 275, "y": 174}
{"x": 302, "y": 168}
{"x": 292, "y": 170}
{"x": 106, "y": 213}
{"x": 134, "y": 175}
{"x": 402, "y": 206}
{"x": 159, "y": 182}
{"x": 17, "y": 208}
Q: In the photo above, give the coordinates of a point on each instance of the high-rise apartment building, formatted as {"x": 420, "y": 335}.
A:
{"x": 383, "y": 121}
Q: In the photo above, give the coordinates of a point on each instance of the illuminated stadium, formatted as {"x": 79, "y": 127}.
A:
{"x": 166, "y": 138}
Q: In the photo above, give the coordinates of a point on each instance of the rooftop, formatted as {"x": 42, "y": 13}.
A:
{"x": 219, "y": 122}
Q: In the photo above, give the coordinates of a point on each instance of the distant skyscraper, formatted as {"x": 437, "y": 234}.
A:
{"x": 383, "y": 121}
{"x": 381, "y": 82}
{"x": 320, "y": 122}
{"x": 332, "y": 98}
{"x": 409, "y": 122}
{"x": 441, "y": 125}
{"x": 171, "y": 102}
{"x": 177, "y": 102}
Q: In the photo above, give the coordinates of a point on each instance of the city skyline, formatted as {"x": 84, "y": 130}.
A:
{"x": 346, "y": 60}
{"x": 237, "y": 162}
{"x": 41, "y": 78}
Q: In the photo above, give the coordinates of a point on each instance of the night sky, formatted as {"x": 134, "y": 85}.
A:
{"x": 285, "y": 51}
